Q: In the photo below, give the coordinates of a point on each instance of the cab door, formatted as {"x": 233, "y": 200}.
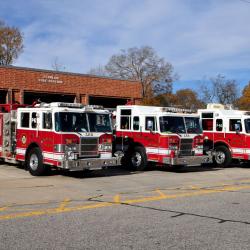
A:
{"x": 236, "y": 137}
{"x": 46, "y": 136}
{"x": 151, "y": 138}
{"x": 247, "y": 138}
{"x": 1, "y": 133}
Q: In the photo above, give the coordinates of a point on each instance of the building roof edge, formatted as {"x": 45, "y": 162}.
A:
{"x": 64, "y": 72}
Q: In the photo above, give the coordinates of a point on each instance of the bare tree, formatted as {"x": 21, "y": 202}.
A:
{"x": 227, "y": 92}
{"x": 219, "y": 90}
{"x": 144, "y": 65}
{"x": 11, "y": 43}
{"x": 98, "y": 71}
{"x": 57, "y": 66}
{"x": 207, "y": 91}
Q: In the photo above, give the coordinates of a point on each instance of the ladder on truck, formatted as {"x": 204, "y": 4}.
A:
{"x": 9, "y": 125}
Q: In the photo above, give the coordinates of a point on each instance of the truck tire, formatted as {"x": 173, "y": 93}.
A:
{"x": 138, "y": 158}
{"x": 34, "y": 162}
{"x": 222, "y": 156}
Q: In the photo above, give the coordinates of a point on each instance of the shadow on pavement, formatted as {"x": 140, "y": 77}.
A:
{"x": 120, "y": 171}
{"x": 111, "y": 171}
{"x": 184, "y": 169}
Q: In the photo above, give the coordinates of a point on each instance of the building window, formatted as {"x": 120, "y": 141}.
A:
{"x": 125, "y": 122}
{"x": 219, "y": 124}
{"x": 235, "y": 125}
{"x": 136, "y": 123}
{"x": 25, "y": 120}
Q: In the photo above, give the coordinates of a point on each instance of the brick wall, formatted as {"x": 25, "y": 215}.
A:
{"x": 18, "y": 80}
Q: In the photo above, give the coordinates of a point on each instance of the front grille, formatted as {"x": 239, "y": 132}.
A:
{"x": 89, "y": 147}
{"x": 186, "y": 147}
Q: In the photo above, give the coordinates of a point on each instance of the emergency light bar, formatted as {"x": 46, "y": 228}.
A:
{"x": 91, "y": 107}
{"x": 215, "y": 106}
{"x": 176, "y": 110}
{"x": 95, "y": 106}
{"x": 220, "y": 106}
{"x": 66, "y": 105}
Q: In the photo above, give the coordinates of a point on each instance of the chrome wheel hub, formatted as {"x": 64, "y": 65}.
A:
{"x": 33, "y": 162}
{"x": 136, "y": 159}
{"x": 220, "y": 157}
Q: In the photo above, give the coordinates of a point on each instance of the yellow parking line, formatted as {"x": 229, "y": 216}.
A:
{"x": 188, "y": 194}
{"x": 3, "y": 208}
{"x": 53, "y": 211}
{"x": 63, "y": 204}
{"x": 116, "y": 201}
{"x": 161, "y": 193}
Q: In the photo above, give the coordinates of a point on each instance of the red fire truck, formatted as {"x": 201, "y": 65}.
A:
{"x": 65, "y": 135}
{"x": 163, "y": 135}
{"x": 227, "y": 133}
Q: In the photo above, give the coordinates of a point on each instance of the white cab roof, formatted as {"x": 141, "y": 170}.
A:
{"x": 160, "y": 111}
{"x": 225, "y": 112}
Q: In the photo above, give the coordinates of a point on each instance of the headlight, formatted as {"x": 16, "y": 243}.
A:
{"x": 172, "y": 147}
{"x": 71, "y": 155}
{"x": 105, "y": 147}
{"x": 71, "y": 147}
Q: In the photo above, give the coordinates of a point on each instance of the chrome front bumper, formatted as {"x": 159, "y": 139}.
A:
{"x": 91, "y": 163}
{"x": 186, "y": 160}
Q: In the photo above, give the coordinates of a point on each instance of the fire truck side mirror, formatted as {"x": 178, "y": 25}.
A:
{"x": 151, "y": 130}
{"x": 237, "y": 128}
{"x": 150, "y": 126}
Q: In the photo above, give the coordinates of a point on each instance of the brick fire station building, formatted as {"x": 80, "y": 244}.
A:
{"x": 26, "y": 85}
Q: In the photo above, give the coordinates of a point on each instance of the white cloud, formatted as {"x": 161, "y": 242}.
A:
{"x": 198, "y": 37}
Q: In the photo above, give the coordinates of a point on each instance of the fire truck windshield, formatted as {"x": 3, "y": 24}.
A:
{"x": 247, "y": 125}
{"x": 172, "y": 124}
{"x": 71, "y": 122}
{"x": 82, "y": 122}
{"x": 193, "y": 125}
{"x": 175, "y": 124}
{"x": 99, "y": 122}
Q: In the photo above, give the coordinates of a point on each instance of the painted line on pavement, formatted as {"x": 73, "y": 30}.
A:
{"x": 63, "y": 205}
{"x": 3, "y": 208}
{"x": 118, "y": 201}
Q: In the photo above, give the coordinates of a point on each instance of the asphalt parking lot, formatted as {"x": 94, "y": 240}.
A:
{"x": 192, "y": 208}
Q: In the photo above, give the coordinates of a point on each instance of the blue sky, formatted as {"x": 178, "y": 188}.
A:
{"x": 200, "y": 38}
